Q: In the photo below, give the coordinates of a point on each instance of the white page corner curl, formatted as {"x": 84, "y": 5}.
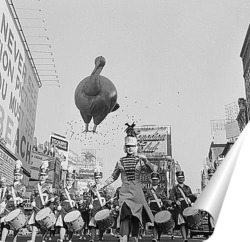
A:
{"x": 212, "y": 197}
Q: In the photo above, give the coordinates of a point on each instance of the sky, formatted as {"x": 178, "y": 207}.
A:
{"x": 173, "y": 63}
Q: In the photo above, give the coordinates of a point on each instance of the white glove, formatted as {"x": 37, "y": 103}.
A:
{"x": 90, "y": 206}
{"x": 59, "y": 208}
{"x": 117, "y": 208}
{"x": 19, "y": 199}
{"x": 52, "y": 199}
{"x": 81, "y": 202}
{"x": 33, "y": 204}
{"x": 73, "y": 203}
{"x": 111, "y": 200}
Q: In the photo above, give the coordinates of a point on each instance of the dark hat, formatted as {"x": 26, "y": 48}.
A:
{"x": 18, "y": 168}
{"x": 180, "y": 174}
{"x": 155, "y": 175}
{"x": 97, "y": 174}
{"x": 70, "y": 173}
{"x": 211, "y": 171}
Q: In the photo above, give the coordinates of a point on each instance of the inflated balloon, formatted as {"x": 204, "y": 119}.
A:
{"x": 96, "y": 96}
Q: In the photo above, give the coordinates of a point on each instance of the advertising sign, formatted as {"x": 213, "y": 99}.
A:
{"x": 18, "y": 90}
{"x": 154, "y": 139}
{"x": 62, "y": 146}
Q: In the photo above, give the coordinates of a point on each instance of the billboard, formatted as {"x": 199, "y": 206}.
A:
{"x": 154, "y": 140}
{"x": 62, "y": 145}
{"x": 18, "y": 90}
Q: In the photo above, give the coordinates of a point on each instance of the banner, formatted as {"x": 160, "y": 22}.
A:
{"x": 18, "y": 90}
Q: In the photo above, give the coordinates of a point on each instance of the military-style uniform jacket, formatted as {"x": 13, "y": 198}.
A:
{"x": 47, "y": 194}
{"x": 64, "y": 201}
{"x": 131, "y": 194}
{"x": 19, "y": 190}
{"x": 175, "y": 195}
{"x": 96, "y": 203}
{"x": 160, "y": 195}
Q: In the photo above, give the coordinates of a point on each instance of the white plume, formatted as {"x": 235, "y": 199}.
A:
{"x": 45, "y": 164}
{"x": 18, "y": 164}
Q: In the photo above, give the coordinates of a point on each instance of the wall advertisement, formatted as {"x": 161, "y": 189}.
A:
{"x": 18, "y": 90}
{"x": 62, "y": 146}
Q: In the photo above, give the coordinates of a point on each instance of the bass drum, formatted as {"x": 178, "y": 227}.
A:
{"x": 16, "y": 219}
{"x": 193, "y": 217}
{"x": 74, "y": 220}
{"x": 104, "y": 219}
{"x": 164, "y": 220}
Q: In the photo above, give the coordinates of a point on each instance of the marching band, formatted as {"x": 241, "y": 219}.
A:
{"x": 130, "y": 209}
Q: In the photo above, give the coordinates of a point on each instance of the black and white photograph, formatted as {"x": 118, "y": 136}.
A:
{"x": 122, "y": 120}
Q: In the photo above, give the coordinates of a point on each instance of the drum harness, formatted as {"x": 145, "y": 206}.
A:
{"x": 184, "y": 196}
{"x": 156, "y": 198}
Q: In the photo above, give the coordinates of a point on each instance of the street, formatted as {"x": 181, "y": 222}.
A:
{"x": 108, "y": 238}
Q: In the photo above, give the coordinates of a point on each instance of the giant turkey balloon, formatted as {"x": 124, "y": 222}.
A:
{"x": 96, "y": 96}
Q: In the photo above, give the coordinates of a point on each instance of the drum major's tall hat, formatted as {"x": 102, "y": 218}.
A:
{"x": 130, "y": 139}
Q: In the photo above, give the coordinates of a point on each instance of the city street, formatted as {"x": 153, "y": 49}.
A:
{"x": 109, "y": 238}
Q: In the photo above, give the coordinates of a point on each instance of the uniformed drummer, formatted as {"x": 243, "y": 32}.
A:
{"x": 85, "y": 211}
{"x": 3, "y": 190}
{"x": 14, "y": 196}
{"x": 181, "y": 195}
{"x": 98, "y": 203}
{"x": 68, "y": 198}
{"x": 41, "y": 197}
{"x": 157, "y": 201}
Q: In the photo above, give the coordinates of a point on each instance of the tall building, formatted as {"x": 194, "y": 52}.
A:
{"x": 245, "y": 56}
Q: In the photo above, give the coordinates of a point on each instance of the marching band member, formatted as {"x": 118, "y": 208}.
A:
{"x": 85, "y": 212}
{"x": 67, "y": 203}
{"x": 183, "y": 197}
{"x": 14, "y": 196}
{"x": 3, "y": 190}
{"x": 41, "y": 197}
{"x": 132, "y": 202}
{"x": 157, "y": 201}
{"x": 98, "y": 202}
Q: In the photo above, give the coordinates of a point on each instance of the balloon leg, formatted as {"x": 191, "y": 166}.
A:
{"x": 86, "y": 128}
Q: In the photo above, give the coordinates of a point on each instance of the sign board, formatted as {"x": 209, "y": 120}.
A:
{"x": 62, "y": 146}
{"x": 18, "y": 90}
{"x": 153, "y": 139}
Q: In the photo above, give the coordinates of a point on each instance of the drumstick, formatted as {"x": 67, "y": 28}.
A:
{"x": 14, "y": 195}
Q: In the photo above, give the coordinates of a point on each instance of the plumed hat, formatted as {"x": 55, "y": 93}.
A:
{"x": 70, "y": 172}
{"x": 44, "y": 168}
{"x": 179, "y": 174}
{"x": 18, "y": 168}
{"x": 155, "y": 175}
{"x": 130, "y": 139}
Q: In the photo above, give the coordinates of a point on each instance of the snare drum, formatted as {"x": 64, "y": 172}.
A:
{"x": 16, "y": 219}
{"x": 104, "y": 219}
{"x": 74, "y": 220}
{"x": 45, "y": 218}
{"x": 164, "y": 220}
{"x": 193, "y": 217}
